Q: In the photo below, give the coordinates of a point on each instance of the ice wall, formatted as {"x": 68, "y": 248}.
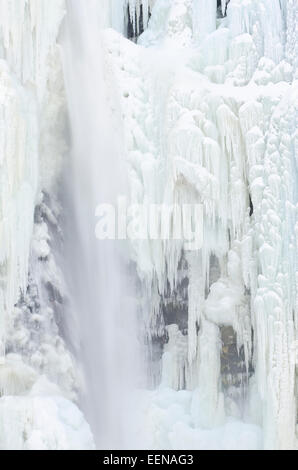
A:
{"x": 28, "y": 35}
{"x": 119, "y": 13}
{"x": 209, "y": 108}
{"x": 33, "y": 355}
{"x": 33, "y": 294}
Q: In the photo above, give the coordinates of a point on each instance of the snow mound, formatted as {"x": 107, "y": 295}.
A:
{"x": 169, "y": 425}
{"x": 42, "y": 422}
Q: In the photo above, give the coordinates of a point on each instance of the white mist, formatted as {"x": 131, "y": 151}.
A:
{"x": 103, "y": 322}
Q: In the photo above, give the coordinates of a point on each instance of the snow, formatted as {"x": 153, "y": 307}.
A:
{"x": 32, "y": 115}
{"x": 42, "y": 423}
{"x": 215, "y": 125}
{"x": 168, "y": 424}
{"x": 208, "y": 115}
{"x": 23, "y": 82}
{"x": 34, "y": 413}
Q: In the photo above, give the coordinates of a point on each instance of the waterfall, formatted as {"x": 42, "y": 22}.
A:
{"x": 102, "y": 325}
{"x": 181, "y": 108}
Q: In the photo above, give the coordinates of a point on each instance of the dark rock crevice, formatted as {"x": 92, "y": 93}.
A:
{"x": 136, "y": 28}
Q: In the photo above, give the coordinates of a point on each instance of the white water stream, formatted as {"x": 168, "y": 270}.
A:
{"x": 103, "y": 320}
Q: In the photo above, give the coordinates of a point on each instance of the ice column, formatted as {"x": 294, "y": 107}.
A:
{"x": 204, "y": 18}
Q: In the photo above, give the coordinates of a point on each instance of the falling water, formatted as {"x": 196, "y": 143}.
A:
{"x": 103, "y": 323}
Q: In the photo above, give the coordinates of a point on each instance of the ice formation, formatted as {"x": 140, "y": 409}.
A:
{"x": 209, "y": 109}
{"x": 205, "y": 94}
{"x": 38, "y": 380}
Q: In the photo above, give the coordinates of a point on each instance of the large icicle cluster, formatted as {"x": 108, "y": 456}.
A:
{"x": 209, "y": 102}
{"x": 33, "y": 356}
{"x": 119, "y": 14}
{"x": 209, "y": 109}
{"x": 26, "y": 45}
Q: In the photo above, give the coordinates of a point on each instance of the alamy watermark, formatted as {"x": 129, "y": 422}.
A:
{"x": 124, "y": 221}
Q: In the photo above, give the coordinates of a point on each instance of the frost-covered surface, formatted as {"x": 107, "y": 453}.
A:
{"x": 27, "y": 47}
{"x": 209, "y": 104}
{"x": 209, "y": 109}
{"x": 42, "y": 420}
{"x": 34, "y": 413}
{"x": 167, "y": 423}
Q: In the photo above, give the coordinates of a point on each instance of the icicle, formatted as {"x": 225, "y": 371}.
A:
{"x": 174, "y": 360}
{"x": 133, "y": 11}
{"x": 146, "y": 6}
{"x": 118, "y": 14}
{"x": 204, "y": 18}
{"x": 27, "y": 58}
{"x": 229, "y": 146}
{"x": 207, "y": 407}
{"x": 223, "y": 7}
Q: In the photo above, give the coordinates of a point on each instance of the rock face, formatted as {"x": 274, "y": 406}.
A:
{"x": 37, "y": 371}
{"x": 207, "y": 124}
{"x": 206, "y": 91}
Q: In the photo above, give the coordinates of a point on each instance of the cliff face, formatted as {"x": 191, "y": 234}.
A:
{"x": 207, "y": 98}
{"x": 36, "y": 369}
{"x": 27, "y": 46}
{"x": 208, "y": 102}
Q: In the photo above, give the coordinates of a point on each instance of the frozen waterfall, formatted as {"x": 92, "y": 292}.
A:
{"x": 103, "y": 321}
{"x": 141, "y": 341}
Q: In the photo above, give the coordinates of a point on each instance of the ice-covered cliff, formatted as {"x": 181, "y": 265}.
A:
{"x": 207, "y": 97}
{"x": 37, "y": 376}
{"x": 210, "y": 114}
